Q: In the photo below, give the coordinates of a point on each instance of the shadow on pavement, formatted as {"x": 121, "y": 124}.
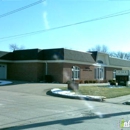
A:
{"x": 64, "y": 121}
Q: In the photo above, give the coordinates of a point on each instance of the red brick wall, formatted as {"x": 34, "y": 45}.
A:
{"x": 86, "y": 72}
{"x": 61, "y": 72}
{"x": 26, "y": 71}
{"x": 109, "y": 72}
{"x": 56, "y": 71}
{"x": 35, "y": 71}
{"x": 41, "y": 70}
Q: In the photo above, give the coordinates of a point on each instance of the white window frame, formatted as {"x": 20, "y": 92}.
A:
{"x": 75, "y": 73}
{"x": 99, "y": 73}
{"x": 114, "y": 75}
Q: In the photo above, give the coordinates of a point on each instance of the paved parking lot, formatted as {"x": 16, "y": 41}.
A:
{"x": 26, "y": 106}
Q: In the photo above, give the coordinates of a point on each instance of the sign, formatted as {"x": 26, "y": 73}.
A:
{"x": 87, "y": 69}
{"x": 122, "y": 72}
{"x": 122, "y": 79}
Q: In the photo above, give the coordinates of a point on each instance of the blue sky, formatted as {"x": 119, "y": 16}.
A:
{"x": 112, "y": 32}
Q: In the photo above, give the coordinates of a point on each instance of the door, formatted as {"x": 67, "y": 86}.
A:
{"x": 2, "y": 71}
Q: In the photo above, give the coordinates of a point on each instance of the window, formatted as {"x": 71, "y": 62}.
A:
{"x": 114, "y": 74}
{"x": 75, "y": 72}
{"x": 100, "y": 61}
{"x": 99, "y": 73}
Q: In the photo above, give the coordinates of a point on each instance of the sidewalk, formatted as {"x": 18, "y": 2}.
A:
{"x": 121, "y": 99}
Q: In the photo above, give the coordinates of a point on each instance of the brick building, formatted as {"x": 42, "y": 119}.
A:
{"x": 60, "y": 64}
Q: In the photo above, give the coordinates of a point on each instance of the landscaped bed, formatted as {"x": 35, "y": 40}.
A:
{"x": 103, "y": 91}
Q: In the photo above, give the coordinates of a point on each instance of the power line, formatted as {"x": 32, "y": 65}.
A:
{"x": 68, "y": 25}
{"x": 22, "y": 8}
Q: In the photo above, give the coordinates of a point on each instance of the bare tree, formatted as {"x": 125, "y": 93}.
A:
{"x": 120, "y": 54}
{"x": 14, "y": 47}
{"x": 117, "y": 54}
{"x": 112, "y": 54}
{"x": 127, "y": 56}
{"x": 104, "y": 49}
{"x": 99, "y": 48}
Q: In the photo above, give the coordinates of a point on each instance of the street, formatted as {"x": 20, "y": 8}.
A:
{"x": 26, "y": 106}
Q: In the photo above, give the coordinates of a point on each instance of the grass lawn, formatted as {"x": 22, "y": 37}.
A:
{"x": 104, "y": 91}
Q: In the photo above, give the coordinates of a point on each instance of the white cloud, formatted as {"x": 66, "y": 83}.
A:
{"x": 46, "y": 23}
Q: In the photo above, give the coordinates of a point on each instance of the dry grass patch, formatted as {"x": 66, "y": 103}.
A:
{"x": 104, "y": 91}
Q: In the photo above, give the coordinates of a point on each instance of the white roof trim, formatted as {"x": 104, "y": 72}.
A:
{"x": 46, "y": 61}
{"x": 61, "y": 61}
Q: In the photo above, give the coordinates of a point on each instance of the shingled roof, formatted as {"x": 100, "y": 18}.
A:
{"x": 78, "y": 56}
{"x": 2, "y": 53}
{"x": 119, "y": 62}
{"x": 30, "y": 54}
{"x": 5, "y": 55}
{"x": 59, "y": 54}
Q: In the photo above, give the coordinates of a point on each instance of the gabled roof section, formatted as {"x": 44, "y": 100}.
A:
{"x": 78, "y": 56}
{"x": 94, "y": 55}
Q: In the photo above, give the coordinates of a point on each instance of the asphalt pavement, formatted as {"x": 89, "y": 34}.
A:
{"x": 26, "y": 106}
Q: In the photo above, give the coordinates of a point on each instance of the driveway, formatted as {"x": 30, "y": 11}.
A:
{"x": 26, "y": 106}
{"x": 30, "y": 88}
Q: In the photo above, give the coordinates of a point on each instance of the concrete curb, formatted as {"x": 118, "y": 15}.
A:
{"x": 72, "y": 95}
